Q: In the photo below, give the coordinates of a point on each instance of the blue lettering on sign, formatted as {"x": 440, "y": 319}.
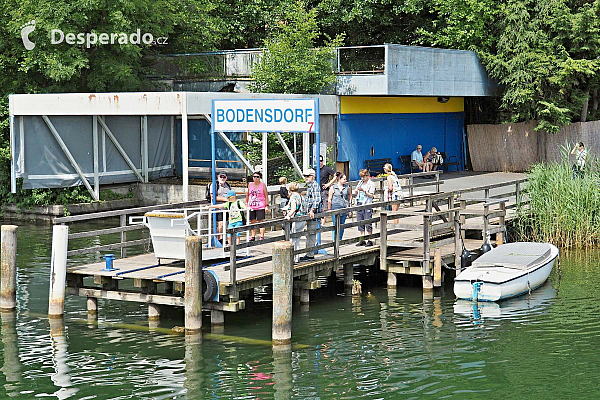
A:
{"x": 265, "y": 115}
{"x": 220, "y": 115}
{"x": 230, "y": 115}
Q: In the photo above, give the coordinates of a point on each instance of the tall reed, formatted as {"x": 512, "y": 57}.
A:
{"x": 563, "y": 209}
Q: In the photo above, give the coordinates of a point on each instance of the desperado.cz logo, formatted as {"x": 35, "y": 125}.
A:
{"x": 57, "y": 36}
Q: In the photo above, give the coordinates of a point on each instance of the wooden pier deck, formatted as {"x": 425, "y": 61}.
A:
{"x": 418, "y": 239}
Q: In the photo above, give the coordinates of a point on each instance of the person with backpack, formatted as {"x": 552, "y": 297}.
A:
{"x": 223, "y": 189}
{"x": 296, "y": 207}
{"x": 394, "y": 188}
{"x": 236, "y": 214}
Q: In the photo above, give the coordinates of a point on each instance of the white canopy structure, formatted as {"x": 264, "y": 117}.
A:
{"x": 68, "y": 139}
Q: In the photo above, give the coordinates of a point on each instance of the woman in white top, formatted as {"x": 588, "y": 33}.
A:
{"x": 580, "y": 156}
{"x": 394, "y": 189}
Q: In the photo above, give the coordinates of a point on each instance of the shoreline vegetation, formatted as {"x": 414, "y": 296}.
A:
{"x": 563, "y": 209}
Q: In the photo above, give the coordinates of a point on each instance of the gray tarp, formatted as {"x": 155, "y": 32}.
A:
{"x": 42, "y": 163}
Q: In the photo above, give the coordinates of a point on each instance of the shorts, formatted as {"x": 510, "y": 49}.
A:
{"x": 235, "y": 225}
{"x": 257, "y": 215}
{"x": 362, "y": 215}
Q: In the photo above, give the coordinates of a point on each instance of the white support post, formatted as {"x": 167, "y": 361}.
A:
{"x": 144, "y": 123}
{"x": 289, "y": 153}
{"x": 305, "y": 150}
{"x": 185, "y": 156}
{"x": 22, "y": 139}
{"x": 172, "y": 142}
{"x": 96, "y": 166}
{"x": 103, "y": 149}
{"x": 13, "y": 172}
{"x": 120, "y": 149}
{"x": 70, "y": 157}
{"x": 264, "y": 157}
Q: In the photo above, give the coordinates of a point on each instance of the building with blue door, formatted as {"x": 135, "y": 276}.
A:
{"x": 390, "y": 127}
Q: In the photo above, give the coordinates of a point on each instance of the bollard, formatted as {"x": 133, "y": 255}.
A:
{"x": 8, "y": 283}
{"x": 193, "y": 284}
{"x": 283, "y": 264}
{"x": 58, "y": 271}
{"x": 92, "y": 305}
{"x": 109, "y": 258}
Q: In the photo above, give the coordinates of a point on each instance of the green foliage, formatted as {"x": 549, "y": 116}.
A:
{"x": 291, "y": 63}
{"x": 562, "y": 209}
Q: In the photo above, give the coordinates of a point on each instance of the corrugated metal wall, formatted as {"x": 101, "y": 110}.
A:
{"x": 386, "y": 127}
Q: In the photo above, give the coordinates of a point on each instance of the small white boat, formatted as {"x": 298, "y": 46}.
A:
{"x": 506, "y": 271}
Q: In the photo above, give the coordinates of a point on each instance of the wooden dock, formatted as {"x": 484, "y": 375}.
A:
{"x": 419, "y": 239}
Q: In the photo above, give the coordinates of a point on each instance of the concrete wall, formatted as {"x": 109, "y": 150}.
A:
{"x": 514, "y": 147}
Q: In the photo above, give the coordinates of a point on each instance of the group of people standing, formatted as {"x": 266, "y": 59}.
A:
{"x": 332, "y": 192}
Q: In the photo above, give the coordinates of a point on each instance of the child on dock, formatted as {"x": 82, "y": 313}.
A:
{"x": 236, "y": 213}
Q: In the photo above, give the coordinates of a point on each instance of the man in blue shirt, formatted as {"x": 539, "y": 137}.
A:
{"x": 417, "y": 160}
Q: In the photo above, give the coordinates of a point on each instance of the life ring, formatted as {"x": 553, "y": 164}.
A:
{"x": 210, "y": 287}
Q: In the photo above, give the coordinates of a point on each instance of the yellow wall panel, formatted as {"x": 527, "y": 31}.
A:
{"x": 399, "y": 105}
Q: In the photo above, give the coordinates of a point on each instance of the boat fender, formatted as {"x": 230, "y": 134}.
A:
{"x": 485, "y": 247}
{"x": 210, "y": 286}
{"x": 465, "y": 259}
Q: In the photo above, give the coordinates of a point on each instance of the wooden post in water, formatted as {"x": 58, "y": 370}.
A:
{"x": 193, "y": 284}
{"x": 92, "y": 307}
{"x": 348, "y": 275}
{"x": 283, "y": 282}
{"x": 427, "y": 278}
{"x": 122, "y": 224}
{"x": 153, "y": 312}
{"x": 457, "y": 241}
{"x": 500, "y": 239}
{"x": 58, "y": 271}
{"x": 8, "y": 284}
{"x": 437, "y": 268}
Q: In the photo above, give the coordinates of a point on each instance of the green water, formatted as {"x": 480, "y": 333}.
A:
{"x": 389, "y": 344}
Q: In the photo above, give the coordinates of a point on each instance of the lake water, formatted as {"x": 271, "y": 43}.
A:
{"x": 385, "y": 344}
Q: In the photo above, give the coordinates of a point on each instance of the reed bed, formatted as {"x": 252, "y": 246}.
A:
{"x": 563, "y": 209}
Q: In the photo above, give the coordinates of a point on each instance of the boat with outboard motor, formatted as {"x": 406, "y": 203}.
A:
{"x": 506, "y": 271}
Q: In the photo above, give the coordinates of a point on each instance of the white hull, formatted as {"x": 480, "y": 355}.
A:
{"x": 499, "y": 283}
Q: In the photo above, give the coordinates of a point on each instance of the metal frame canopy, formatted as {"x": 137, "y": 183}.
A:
{"x": 75, "y": 125}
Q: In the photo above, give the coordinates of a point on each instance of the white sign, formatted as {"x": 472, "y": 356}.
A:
{"x": 254, "y": 115}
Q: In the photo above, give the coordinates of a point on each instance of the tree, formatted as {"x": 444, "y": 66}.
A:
{"x": 290, "y": 62}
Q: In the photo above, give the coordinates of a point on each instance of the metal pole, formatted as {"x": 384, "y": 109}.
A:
{"x": 283, "y": 264}
{"x": 8, "y": 279}
{"x": 185, "y": 155}
{"x": 58, "y": 271}
{"x": 215, "y": 189}
{"x": 233, "y": 296}
{"x": 193, "y": 284}
{"x": 95, "y": 148}
{"x": 265, "y": 172}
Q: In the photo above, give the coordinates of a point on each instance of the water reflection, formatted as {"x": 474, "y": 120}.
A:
{"x": 62, "y": 374}
{"x": 193, "y": 366}
{"x": 514, "y": 308}
{"x": 282, "y": 372}
{"x": 11, "y": 367}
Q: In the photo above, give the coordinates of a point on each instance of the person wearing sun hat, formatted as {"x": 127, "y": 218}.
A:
{"x": 236, "y": 209}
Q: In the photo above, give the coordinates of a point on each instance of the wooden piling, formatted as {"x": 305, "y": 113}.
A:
{"x": 193, "y": 284}
{"x": 383, "y": 242}
{"x": 8, "y": 273}
{"x": 283, "y": 264}
{"x": 154, "y": 312}
{"x": 457, "y": 241}
{"x": 217, "y": 318}
{"x": 92, "y": 306}
{"x": 392, "y": 280}
{"x": 58, "y": 271}
{"x": 437, "y": 268}
{"x": 348, "y": 275}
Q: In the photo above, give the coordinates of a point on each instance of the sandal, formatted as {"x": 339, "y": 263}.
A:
{"x": 251, "y": 239}
{"x": 262, "y": 238}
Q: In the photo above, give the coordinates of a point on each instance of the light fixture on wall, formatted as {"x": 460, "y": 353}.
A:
{"x": 443, "y": 99}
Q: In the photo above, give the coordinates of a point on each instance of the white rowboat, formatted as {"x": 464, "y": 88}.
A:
{"x": 506, "y": 271}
